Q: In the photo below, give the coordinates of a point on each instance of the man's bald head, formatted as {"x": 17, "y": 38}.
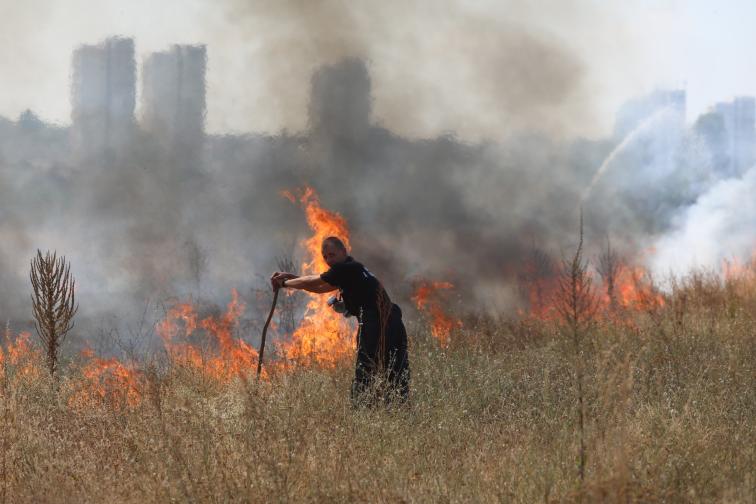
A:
{"x": 334, "y": 251}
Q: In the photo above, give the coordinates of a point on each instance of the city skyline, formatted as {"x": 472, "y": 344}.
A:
{"x": 577, "y": 66}
{"x": 148, "y": 82}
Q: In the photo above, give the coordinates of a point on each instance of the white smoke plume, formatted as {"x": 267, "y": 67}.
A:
{"x": 720, "y": 226}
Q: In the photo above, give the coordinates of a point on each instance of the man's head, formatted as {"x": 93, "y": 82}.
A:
{"x": 334, "y": 251}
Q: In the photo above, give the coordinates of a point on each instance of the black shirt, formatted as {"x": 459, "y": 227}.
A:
{"x": 358, "y": 286}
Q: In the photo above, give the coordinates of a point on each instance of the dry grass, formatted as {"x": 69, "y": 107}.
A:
{"x": 670, "y": 405}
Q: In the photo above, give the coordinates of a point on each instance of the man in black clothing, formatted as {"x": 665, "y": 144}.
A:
{"x": 382, "y": 338}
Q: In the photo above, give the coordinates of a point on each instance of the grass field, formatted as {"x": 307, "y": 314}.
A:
{"x": 670, "y": 416}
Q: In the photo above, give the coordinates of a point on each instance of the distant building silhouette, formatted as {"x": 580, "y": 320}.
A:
{"x": 173, "y": 99}
{"x": 29, "y": 121}
{"x": 340, "y": 100}
{"x": 103, "y": 95}
{"x": 658, "y": 119}
{"x": 739, "y": 118}
{"x": 634, "y": 112}
{"x": 710, "y": 128}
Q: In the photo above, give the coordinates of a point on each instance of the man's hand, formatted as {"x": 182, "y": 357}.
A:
{"x": 278, "y": 278}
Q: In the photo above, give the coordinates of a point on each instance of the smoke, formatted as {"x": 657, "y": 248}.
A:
{"x": 434, "y": 64}
{"x": 719, "y": 227}
{"x": 174, "y": 212}
{"x": 162, "y": 209}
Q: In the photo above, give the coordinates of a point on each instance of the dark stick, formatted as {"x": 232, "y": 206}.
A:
{"x": 265, "y": 331}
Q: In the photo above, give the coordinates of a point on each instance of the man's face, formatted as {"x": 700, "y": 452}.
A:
{"x": 333, "y": 254}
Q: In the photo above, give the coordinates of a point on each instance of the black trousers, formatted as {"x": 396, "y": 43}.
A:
{"x": 392, "y": 371}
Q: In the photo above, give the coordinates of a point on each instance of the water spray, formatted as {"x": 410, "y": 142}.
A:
{"x": 629, "y": 138}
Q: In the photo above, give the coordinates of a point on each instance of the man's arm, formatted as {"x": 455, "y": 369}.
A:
{"x": 309, "y": 283}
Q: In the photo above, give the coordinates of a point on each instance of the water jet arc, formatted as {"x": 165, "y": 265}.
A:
{"x": 629, "y": 139}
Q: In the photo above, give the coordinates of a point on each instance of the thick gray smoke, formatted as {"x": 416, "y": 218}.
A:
{"x": 460, "y": 64}
{"x": 151, "y": 209}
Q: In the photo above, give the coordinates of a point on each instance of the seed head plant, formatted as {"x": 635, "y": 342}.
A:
{"x": 53, "y": 302}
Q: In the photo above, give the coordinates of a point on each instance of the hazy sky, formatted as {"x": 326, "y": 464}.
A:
{"x": 482, "y": 69}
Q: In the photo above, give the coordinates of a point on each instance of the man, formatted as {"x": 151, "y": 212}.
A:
{"x": 382, "y": 368}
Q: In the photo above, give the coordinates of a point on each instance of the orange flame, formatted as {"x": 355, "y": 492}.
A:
{"x": 224, "y": 356}
{"x": 21, "y": 354}
{"x": 323, "y": 337}
{"x": 107, "y": 381}
{"x": 427, "y": 299}
{"x": 540, "y": 298}
{"x": 740, "y": 276}
{"x": 736, "y": 269}
{"x": 634, "y": 290}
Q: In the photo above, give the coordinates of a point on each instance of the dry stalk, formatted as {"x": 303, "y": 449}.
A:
{"x": 288, "y": 309}
{"x": 609, "y": 265}
{"x": 53, "y": 302}
{"x": 534, "y": 280}
{"x": 577, "y": 305}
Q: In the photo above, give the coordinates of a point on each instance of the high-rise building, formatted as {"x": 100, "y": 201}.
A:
{"x": 173, "y": 87}
{"x": 638, "y": 111}
{"x": 340, "y": 100}
{"x": 739, "y": 117}
{"x": 103, "y": 95}
{"x": 710, "y": 129}
{"x": 651, "y": 130}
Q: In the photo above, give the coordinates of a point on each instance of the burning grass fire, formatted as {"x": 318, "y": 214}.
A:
{"x": 222, "y": 356}
{"x": 212, "y": 346}
{"x": 203, "y": 345}
{"x": 107, "y": 381}
{"x": 21, "y": 354}
{"x": 157, "y": 432}
{"x": 622, "y": 290}
{"x": 634, "y": 291}
{"x": 428, "y": 298}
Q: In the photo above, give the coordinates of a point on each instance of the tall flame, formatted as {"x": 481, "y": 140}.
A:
{"x": 323, "y": 337}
